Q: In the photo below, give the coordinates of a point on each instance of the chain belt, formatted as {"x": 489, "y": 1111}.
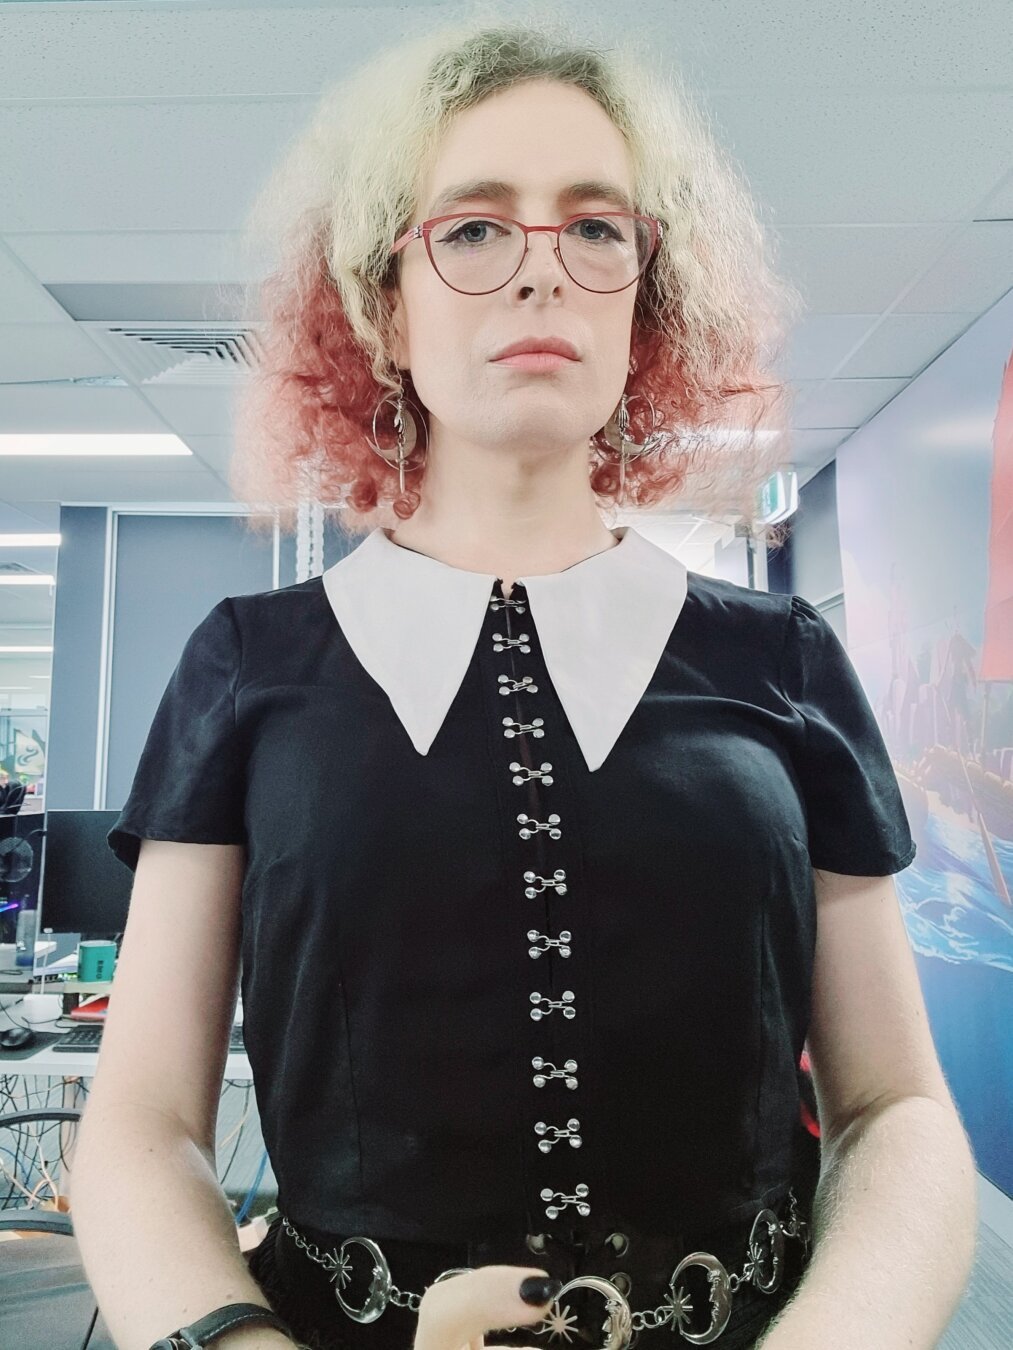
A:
{"x": 621, "y": 1320}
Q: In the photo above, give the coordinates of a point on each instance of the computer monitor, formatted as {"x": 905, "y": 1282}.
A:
{"x": 85, "y": 887}
{"x": 21, "y": 848}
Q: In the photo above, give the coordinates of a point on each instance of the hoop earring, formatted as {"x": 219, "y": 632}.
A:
{"x": 407, "y": 435}
{"x": 615, "y": 430}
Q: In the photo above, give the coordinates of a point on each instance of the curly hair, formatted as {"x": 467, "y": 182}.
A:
{"x": 710, "y": 313}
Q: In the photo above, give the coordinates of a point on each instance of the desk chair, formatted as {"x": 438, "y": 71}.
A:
{"x": 46, "y": 1302}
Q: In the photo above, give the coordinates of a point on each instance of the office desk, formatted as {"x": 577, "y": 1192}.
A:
{"x": 70, "y": 1070}
{"x": 44, "y": 1061}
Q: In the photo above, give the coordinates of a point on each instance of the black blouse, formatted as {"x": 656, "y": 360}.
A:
{"x": 460, "y": 963}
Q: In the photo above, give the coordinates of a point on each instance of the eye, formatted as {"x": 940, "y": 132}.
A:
{"x": 596, "y": 223}
{"x": 456, "y": 235}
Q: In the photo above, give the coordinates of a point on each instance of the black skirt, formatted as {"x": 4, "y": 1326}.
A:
{"x": 302, "y": 1291}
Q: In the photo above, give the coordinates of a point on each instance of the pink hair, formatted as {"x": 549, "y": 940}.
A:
{"x": 708, "y": 313}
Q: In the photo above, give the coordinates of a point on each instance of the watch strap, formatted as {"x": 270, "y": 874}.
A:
{"x": 206, "y": 1330}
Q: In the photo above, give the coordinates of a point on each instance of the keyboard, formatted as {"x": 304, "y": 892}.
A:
{"x": 89, "y": 1037}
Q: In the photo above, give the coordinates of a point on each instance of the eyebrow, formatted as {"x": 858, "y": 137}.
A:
{"x": 495, "y": 189}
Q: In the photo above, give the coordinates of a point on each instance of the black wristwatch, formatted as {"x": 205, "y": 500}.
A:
{"x": 208, "y": 1329}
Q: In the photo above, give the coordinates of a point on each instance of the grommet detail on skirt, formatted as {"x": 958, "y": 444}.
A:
{"x": 622, "y": 1281}
{"x": 763, "y": 1268}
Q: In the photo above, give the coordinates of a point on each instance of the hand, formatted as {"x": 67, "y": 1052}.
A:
{"x": 455, "y": 1313}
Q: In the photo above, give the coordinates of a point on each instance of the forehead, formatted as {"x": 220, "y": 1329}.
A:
{"x": 539, "y": 136}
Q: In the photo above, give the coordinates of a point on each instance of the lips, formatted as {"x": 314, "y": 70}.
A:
{"x": 556, "y": 345}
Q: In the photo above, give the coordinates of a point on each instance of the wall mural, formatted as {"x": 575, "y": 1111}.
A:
{"x": 925, "y": 506}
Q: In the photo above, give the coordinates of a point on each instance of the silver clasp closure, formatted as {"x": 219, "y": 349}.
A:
{"x": 525, "y": 775}
{"x": 567, "y": 1072}
{"x": 556, "y": 881}
{"x": 577, "y": 1199}
{"x": 565, "y": 1003}
{"x": 562, "y": 942}
{"x": 530, "y": 826}
{"x": 524, "y": 685}
{"x": 570, "y": 1132}
{"x": 500, "y": 643}
{"x": 519, "y": 728}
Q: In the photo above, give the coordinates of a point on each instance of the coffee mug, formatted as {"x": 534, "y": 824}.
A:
{"x": 95, "y": 961}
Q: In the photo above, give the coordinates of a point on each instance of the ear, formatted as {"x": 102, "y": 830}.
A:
{"x": 398, "y": 330}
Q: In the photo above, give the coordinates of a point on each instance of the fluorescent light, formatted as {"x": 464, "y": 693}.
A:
{"x": 29, "y": 541}
{"x": 43, "y": 579}
{"x": 94, "y": 444}
{"x": 19, "y": 650}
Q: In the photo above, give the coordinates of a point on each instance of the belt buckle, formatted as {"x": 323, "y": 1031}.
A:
{"x": 379, "y": 1285}
{"x": 719, "y": 1281}
{"x": 618, "y": 1323}
{"x": 720, "y": 1298}
{"x": 767, "y": 1218}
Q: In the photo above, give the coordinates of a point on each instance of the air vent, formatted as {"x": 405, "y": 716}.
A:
{"x": 181, "y": 353}
{"x": 19, "y": 569}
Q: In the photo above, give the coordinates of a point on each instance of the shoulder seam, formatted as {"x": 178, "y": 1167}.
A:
{"x": 239, "y": 663}
{"x": 789, "y": 624}
{"x": 789, "y": 616}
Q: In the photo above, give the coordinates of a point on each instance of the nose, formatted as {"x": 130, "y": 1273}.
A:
{"x": 549, "y": 244}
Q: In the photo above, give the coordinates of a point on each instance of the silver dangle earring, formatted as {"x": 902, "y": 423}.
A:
{"x": 615, "y": 430}
{"x": 407, "y": 435}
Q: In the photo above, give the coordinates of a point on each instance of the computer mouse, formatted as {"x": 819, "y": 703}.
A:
{"x": 16, "y": 1038}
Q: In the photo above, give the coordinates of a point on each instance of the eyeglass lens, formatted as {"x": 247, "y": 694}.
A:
{"x": 602, "y": 253}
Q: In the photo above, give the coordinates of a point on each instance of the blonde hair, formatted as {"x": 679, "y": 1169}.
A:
{"x": 710, "y": 314}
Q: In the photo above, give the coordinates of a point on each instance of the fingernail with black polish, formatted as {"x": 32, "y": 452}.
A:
{"x": 537, "y": 1289}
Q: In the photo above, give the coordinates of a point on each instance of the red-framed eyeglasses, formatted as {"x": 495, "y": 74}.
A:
{"x": 604, "y": 263}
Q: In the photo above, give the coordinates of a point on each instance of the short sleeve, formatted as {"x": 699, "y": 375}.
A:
{"x": 856, "y": 817}
{"x": 190, "y": 779}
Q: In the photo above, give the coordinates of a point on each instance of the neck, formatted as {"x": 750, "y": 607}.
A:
{"x": 506, "y": 513}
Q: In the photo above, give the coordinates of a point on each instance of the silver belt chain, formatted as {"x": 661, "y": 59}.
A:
{"x": 620, "y": 1321}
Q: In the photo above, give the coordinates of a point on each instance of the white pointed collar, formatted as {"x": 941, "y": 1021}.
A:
{"x": 602, "y": 623}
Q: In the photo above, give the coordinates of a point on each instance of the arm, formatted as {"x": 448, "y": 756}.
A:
{"x": 893, "y": 1231}
{"x": 895, "y": 1211}
{"x": 157, "y": 1237}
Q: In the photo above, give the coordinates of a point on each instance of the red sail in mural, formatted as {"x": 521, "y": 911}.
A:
{"x": 997, "y": 649}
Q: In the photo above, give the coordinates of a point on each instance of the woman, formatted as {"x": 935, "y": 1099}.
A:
{"x": 527, "y": 938}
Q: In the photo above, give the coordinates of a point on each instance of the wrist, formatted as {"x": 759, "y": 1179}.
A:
{"x": 249, "y": 1325}
{"x": 256, "y": 1338}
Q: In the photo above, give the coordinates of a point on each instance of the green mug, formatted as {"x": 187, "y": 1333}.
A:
{"x": 95, "y": 961}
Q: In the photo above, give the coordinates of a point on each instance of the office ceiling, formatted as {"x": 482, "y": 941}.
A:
{"x": 876, "y": 139}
